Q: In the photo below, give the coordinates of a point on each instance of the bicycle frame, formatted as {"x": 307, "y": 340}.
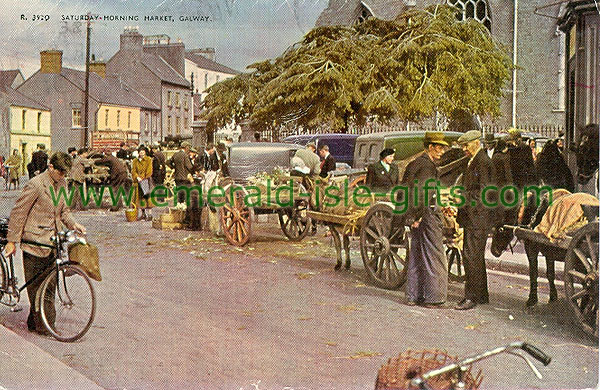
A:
{"x": 11, "y": 287}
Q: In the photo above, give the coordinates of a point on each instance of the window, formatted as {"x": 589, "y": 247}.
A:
{"x": 23, "y": 115}
{"x": 185, "y": 123}
{"x": 147, "y": 123}
{"x": 169, "y": 129}
{"x": 106, "y": 118}
{"x": 185, "y": 102}
{"x": 205, "y": 80}
{"x": 169, "y": 98}
{"x": 39, "y": 122}
{"x": 76, "y": 117}
{"x": 473, "y": 9}
{"x": 177, "y": 100}
{"x": 118, "y": 118}
{"x": 364, "y": 13}
{"x": 177, "y": 125}
{"x": 129, "y": 119}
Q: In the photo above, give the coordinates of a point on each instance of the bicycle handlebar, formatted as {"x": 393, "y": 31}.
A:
{"x": 535, "y": 352}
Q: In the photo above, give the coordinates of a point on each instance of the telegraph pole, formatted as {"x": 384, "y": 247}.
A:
{"x": 86, "y": 128}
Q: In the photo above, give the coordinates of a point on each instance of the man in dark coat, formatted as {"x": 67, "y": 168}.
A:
{"x": 39, "y": 160}
{"x": 501, "y": 177}
{"x": 207, "y": 160}
{"x": 382, "y": 176}
{"x": 473, "y": 216}
{"x": 522, "y": 165}
{"x": 118, "y": 177}
{"x": 123, "y": 153}
{"x": 181, "y": 163}
{"x": 427, "y": 269}
{"x": 552, "y": 168}
{"x": 327, "y": 162}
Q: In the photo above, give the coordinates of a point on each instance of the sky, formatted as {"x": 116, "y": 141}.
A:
{"x": 241, "y": 31}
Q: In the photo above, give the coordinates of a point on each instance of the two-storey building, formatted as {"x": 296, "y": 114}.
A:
{"x": 24, "y": 122}
{"x": 116, "y": 111}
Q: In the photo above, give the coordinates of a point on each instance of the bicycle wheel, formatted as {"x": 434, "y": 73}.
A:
{"x": 67, "y": 307}
{"x": 3, "y": 276}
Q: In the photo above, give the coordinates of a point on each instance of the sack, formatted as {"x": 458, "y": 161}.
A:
{"x": 86, "y": 256}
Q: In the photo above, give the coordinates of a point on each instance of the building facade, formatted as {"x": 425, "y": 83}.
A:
{"x": 24, "y": 123}
{"x": 536, "y": 96}
{"x": 202, "y": 71}
{"x": 154, "y": 67}
{"x": 63, "y": 91}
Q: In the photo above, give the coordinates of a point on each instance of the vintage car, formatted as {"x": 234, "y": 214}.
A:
{"x": 404, "y": 143}
{"x": 249, "y": 158}
{"x": 341, "y": 146}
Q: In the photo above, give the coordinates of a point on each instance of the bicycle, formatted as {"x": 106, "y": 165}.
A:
{"x": 458, "y": 369}
{"x": 65, "y": 299}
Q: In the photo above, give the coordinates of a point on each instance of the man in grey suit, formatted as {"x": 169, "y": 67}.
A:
{"x": 35, "y": 218}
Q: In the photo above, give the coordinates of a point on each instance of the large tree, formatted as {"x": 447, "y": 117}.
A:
{"x": 425, "y": 62}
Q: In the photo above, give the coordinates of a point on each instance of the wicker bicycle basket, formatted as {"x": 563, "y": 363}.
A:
{"x": 398, "y": 372}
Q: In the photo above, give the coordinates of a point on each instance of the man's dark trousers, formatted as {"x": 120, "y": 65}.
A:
{"x": 31, "y": 266}
{"x": 474, "y": 260}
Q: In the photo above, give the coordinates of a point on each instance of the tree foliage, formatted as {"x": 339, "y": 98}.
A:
{"x": 424, "y": 62}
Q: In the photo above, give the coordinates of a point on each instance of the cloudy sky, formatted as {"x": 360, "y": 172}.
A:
{"x": 241, "y": 31}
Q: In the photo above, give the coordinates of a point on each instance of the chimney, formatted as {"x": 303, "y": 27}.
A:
{"x": 131, "y": 40}
{"x": 172, "y": 52}
{"x": 208, "y": 52}
{"x": 51, "y": 61}
{"x": 98, "y": 67}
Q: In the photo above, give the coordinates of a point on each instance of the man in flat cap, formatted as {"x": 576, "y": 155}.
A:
{"x": 473, "y": 216}
{"x": 382, "y": 176}
{"x": 181, "y": 163}
{"x": 490, "y": 144}
{"x": 427, "y": 269}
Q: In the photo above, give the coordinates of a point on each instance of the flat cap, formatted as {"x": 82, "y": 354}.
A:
{"x": 185, "y": 144}
{"x": 386, "y": 152}
{"x": 435, "y": 137}
{"x": 514, "y": 133}
{"x": 469, "y": 136}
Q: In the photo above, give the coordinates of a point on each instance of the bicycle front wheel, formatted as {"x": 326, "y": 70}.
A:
{"x": 67, "y": 303}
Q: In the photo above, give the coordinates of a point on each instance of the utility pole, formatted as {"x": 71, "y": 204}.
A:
{"x": 86, "y": 104}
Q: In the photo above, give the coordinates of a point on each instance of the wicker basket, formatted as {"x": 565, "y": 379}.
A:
{"x": 131, "y": 213}
{"x": 398, "y": 372}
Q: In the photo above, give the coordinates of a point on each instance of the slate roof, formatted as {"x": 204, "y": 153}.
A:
{"x": 209, "y": 64}
{"x": 163, "y": 70}
{"x": 346, "y": 12}
{"x": 16, "y": 98}
{"x": 109, "y": 90}
{"x": 7, "y": 77}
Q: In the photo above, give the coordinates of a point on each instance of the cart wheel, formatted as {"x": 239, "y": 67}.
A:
{"x": 236, "y": 219}
{"x": 294, "y": 222}
{"x": 384, "y": 250}
{"x": 456, "y": 268}
{"x": 581, "y": 277}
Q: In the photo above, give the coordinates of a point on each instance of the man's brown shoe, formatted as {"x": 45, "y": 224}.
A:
{"x": 465, "y": 304}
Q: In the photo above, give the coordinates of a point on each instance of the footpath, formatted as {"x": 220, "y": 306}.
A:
{"x": 24, "y": 366}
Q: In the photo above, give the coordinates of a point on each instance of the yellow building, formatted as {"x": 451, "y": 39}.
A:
{"x": 118, "y": 123}
{"x": 29, "y": 124}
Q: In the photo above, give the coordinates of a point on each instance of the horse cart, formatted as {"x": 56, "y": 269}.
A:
{"x": 579, "y": 249}
{"x": 258, "y": 185}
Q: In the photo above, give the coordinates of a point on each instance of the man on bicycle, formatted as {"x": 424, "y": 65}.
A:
{"x": 36, "y": 217}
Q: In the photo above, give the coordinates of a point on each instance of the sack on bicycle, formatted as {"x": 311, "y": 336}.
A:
{"x": 86, "y": 256}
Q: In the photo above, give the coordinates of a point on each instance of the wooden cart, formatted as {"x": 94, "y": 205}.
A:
{"x": 580, "y": 251}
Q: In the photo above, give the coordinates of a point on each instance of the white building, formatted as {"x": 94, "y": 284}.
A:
{"x": 202, "y": 71}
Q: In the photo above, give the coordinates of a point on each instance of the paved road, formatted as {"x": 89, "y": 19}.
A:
{"x": 184, "y": 310}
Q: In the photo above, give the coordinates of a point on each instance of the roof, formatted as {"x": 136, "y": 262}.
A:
{"x": 572, "y": 9}
{"x": 7, "y": 77}
{"x": 346, "y": 12}
{"x": 16, "y": 98}
{"x": 163, "y": 70}
{"x": 402, "y": 134}
{"x": 109, "y": 90}
{"x": 208, "y": 64}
